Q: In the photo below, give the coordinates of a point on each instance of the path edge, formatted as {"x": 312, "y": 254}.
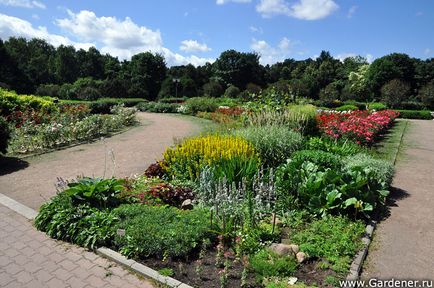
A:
{"x": 140, "y": 268}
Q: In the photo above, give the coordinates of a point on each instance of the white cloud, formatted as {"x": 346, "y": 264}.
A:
{"x": 122, "y": 38}
{"x": 369, "y": 57}
{"x": 221, "y": 2}
{"x": 302, "y": 9}
{"x": 427, "y": 51}
{"x": 23, "y": 3}
{"x": 118, "y": 38}
{"x": 351, "y": 11}
{"x": 269, "y": 54}
{"x": 16, "y": 27}
{"x": 193, "y": 46}
{"x": 254, "y": 29}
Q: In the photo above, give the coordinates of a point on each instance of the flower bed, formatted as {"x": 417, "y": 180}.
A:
{"x": 363, "y": 127}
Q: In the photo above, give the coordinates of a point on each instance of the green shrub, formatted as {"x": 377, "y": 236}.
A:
{"x": 82, "y": 225}
{"x": 4, "y": 135}
{"x": 267, "y": 264}
{"x": 413, "y": 114}
{"x": 383, "y": 170}
{"x": 334, "y": 239}
{"x": 157, "y": 107}
{"x": 160, "y": 231}
{"x": 95, "y": 192}
{"x": 359, "y": 105}
{"x": 201, "y": 104}
{"x": 347, "y": 107}
{"x": 377, "y": 106}
{"x": 274, "y": 143}
{"x": 311, "y": 181}
{"x": 412, "y": 105}
{"x": 232, "y": 91}
{"x": 173, "y": 100}
{"x": 51, "y": 90}
{"x": 10, "y": 101}
{"x": 334, "y": 146}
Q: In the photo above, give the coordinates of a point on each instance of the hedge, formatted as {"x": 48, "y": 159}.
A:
{"x": 415, "y": 114}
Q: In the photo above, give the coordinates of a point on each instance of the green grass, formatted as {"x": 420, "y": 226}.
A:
{"x": 391, "y": 147}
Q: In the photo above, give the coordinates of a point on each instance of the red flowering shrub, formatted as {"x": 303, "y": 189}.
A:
{"x": 166, "y": 193}
{"x": 231, "y": 111}
{"x": 362, "y": 127}
{"x": 155, "y": 170}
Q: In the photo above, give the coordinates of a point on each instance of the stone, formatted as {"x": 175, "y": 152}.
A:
{"x": 301, "y": 257}
{"x": 286, "y": 241}
{"x": 295, "y": 248}
{"x": 281, "y": 249}
{"x": 187, "y": 204}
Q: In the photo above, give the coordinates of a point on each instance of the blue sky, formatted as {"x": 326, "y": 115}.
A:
{"x": 196, "y": 31}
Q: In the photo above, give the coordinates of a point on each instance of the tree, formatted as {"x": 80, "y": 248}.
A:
{"x": 147, "y": 73}
{"x": 213, "y": 89}
{"x": 358, "y": 84}
{"x": 238, "y": 68}
{"x": 395, "y": 92}
{"x": 426, "y": 95}
{"x": 65, "y": 64}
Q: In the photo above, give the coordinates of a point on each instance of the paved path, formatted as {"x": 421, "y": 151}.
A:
{"x": 403, "y": 246}
{"x": 133, "y": 151}
{"x": 28, "y": 258}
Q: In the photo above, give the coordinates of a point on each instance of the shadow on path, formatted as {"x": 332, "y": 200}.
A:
{"x": 11, "y": 164}
{"x": 396, "y": 194}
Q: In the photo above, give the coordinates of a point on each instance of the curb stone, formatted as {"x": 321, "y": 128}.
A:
{"x": 140, "y": 268}
{"x": 356, "y": 265}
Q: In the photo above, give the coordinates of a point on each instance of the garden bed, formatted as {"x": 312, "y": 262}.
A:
{"x": 271, "y": 201}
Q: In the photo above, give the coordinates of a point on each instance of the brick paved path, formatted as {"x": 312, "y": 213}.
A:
{"x": 29, "y": 258}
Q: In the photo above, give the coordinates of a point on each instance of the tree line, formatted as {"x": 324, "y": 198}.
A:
{"x": 36, "y": 67}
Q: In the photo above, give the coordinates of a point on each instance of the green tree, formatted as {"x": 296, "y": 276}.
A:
{"x": 395, "y": 92}
{"x": 426, "y": 95}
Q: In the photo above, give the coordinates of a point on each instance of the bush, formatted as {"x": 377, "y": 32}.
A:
{"x": 88, "y": 93}
{"x": 160, "y": 231}
{"x": 201, "y": 104}
{"x": 383, "y": 170}
{"x": 157, "y": 107}
{"x": 95, "y": 192}
{"x": 10, "y": 101}
{"x": 426, "y": 94}
{"x": 320, "y": 185}
{"x": 229, "y": 156}
{"x": 4, "y": 135}
{"x": 266, "y": 264}
{"x": 347, "y": 107}
{"x": 274, "y": 143}
{"x": 104, "y": 105}
{"x": 173, "y": 100}
{"x": 413, "y": 114}
{"x": 333, "y": 239}
{"x": 334, "y": 146}
{"x": 232, "y": 91}
{"x": 213, "y": 89}
{"x": 377, "y": 106}
{"x": 412, "y": 105}
{"x": 52, "y": 90}
{"x": 82, "y": 225}
{"x": 359, "y": 105}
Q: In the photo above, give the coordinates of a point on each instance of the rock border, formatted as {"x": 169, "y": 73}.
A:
{"x": 356, "y": 265}
{"x": 140, "y": 268}
{"x": 129, "y": 264}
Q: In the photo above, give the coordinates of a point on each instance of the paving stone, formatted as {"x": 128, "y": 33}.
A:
{"x": 29, "y": 258}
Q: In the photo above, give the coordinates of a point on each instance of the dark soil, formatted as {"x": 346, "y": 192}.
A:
{"x": 205, "y": 273}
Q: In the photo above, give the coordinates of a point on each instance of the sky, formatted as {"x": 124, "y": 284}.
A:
{"x": 198, "y": 31}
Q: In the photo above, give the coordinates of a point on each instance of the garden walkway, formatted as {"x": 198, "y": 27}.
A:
{"x": 133, "y": 151}
{"x": 403, "y": 246}
{"x": 29, "y": 258}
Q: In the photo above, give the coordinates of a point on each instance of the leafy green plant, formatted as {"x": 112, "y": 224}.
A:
{"x": 4, "y": 135}
{"x": 158, "y": 107}
{"x": 334, "y": 146}
{"x": 268, "y": 264}
{"x": 377, "y": 106}
{"x": 332, "y": 238}
{"x": 160, "y": 231}
{"x": 96, "y": 192}
{"x": 82, "y": 224}
{"x": 274, "y": 143}
{"x": 383, "y": 171}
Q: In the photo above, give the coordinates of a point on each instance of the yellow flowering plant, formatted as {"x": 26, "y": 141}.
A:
{"x": 229, "y": 156}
